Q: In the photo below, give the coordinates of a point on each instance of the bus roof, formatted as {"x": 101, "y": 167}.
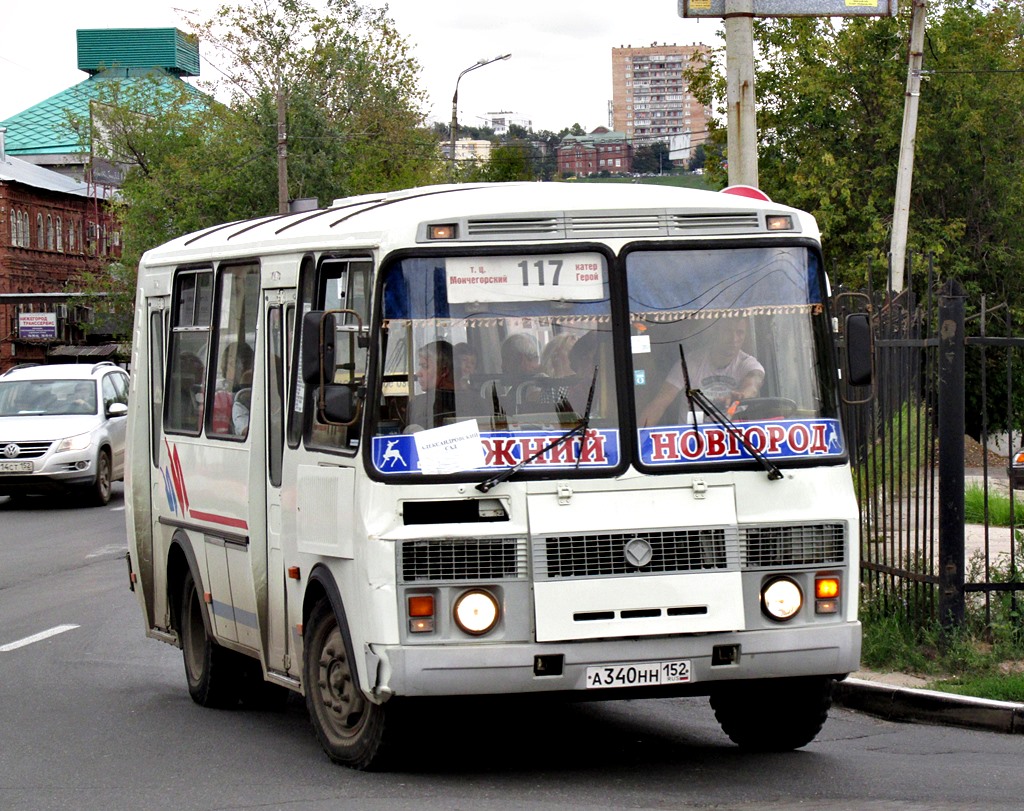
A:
{"x": 488, "y": 213}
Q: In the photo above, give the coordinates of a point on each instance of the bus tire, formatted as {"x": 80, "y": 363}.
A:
{"x": 350, "y": 728}
{"x": 211, "y": 671}
{"x": 775, "y": 715}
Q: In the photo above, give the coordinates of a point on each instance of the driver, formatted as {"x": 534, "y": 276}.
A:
{"x": 723, "y": 372}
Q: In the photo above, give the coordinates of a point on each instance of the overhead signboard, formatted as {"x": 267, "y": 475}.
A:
{"x": 794, "y": 8}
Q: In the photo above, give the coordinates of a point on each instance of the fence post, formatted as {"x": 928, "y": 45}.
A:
{"x": 951, "y": 455}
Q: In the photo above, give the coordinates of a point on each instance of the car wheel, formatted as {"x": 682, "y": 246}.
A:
{"x": 99, "y": 490}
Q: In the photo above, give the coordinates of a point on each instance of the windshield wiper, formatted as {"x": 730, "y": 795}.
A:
{"x": 701, "y": 399}
{"x": 579, "y": 428}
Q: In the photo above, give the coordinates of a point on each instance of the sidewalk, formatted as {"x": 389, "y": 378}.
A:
{"x": 900, "y": 697}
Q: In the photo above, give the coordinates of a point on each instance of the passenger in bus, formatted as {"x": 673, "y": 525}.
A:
{"x": 519, "y": 357}
{"x": 187, "y": 406}
{"x": 551, "y": 386}
{"x": 723, "y": 372}
{"x": 435, "y": 373}
{"x": 583, "y": 358}
{"x": 465, "y": 365}
{"x": 554, "y": 360}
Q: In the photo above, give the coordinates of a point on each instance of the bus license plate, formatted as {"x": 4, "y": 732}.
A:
{"x": 639, "y": 674}
{"x": 15, "y": 467}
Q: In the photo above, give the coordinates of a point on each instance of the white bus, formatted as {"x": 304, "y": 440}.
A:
{"x": 539, "y": 438}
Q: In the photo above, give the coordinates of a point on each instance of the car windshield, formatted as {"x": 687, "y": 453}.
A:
{"x": 747, "y": 328}
{"x": 485, "y": 360}
{"x": 34, "y": 398}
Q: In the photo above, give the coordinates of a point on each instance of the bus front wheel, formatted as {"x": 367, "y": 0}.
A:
{"x": 350, "y": 729}
{"x": 211, "y": 670}
{"x": 774, "y": 715}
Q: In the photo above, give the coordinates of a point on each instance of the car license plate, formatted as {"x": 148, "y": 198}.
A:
{"x": 639, "y": 674}
{"x": 15, "y": 467}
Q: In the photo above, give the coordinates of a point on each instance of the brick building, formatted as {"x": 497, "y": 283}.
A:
{"x": 52, "y": 229}
{"x": 600, "y": 151}
{"x": 651, "y": 98}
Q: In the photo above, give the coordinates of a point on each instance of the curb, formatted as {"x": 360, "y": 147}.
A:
{"x": 929, "y": 706}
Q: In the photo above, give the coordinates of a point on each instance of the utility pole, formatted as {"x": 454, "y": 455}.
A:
{"x": 739, "y": 67}
{"x": 905, "y": 171}
{"x": 282, "y": 150}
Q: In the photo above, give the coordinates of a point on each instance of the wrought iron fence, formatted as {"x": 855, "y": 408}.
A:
{"x": 907, "y": 433}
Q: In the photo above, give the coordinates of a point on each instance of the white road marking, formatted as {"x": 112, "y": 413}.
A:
{"x": 117, "y": 509}
{"x": 28, "y": 640}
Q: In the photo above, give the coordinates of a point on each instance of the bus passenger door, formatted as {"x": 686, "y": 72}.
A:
{"x": 279, "y": 307}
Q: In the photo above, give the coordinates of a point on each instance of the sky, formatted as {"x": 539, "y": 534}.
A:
{"x": 559, "y": 73}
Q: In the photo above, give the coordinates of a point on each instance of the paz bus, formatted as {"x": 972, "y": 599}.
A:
{"x": 477, "y": 440}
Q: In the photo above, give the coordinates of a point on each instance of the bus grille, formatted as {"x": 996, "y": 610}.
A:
{"x": 604, "y": 555}
{"x": 793, "y": 545}
{"x": 740, "y": 222}
{"x": 533, "y": 228}
{"x": 437, "y": 561}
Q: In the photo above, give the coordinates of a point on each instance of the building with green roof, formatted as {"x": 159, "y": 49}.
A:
{"x": 129, "y": 57}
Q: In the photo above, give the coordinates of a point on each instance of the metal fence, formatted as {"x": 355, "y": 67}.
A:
{"x": 942, "y": 381}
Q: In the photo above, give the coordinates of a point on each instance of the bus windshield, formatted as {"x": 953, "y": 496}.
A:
{"x": 486, "y": 360}
{"x": 747, "y": 328}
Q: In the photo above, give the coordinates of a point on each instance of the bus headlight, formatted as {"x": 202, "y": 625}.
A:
{"x": 781, "y": 599}
{"x": 476, "y": 612}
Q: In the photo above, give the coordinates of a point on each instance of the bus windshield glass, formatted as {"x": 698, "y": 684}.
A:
{"x": 747, "y": 327}
{"x": 486, "y": 360}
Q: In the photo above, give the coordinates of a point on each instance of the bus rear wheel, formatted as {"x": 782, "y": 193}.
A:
{"x": 350, "y": 728}
{"x": 212, "y": 671}
{"x": 774, "y": 715}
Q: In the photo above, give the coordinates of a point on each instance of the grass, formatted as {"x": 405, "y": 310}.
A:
{"x": 961, "y": 663}
{"x": 982, "y": 658}
{"x": 998, "y": 507}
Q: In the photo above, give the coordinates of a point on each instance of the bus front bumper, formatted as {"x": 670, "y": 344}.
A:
{"x": 483, "y": 669}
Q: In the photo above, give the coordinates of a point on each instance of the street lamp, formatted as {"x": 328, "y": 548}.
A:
{"x": 455, "y": 100}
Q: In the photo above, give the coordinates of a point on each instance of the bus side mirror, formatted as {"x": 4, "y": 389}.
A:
{"x": 319, "y": 331}
{"x": 859, "y": 349}
{"x": 339, "y": 404}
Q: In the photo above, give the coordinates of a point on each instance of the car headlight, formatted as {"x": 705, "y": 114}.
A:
{"x": 75, "y": 443}
{"x": 781, "y": 599}
{"x": 476, "y": 612}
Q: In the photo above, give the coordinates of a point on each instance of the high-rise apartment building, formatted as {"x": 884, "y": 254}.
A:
{"x": 651, "y": 98}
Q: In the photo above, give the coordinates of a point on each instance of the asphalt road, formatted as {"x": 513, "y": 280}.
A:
{"x": 96, "y": 716}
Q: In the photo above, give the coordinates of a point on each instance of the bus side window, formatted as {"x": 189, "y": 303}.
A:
{"x": 343, "y": 284}
{"x": 156, "y": 379}
{"x": 187, "y": 356}
{"x": 307, "y": 289}
{"x": 237, "y": 309}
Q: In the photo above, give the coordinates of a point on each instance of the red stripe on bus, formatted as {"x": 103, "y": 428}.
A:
{"x": 223, "y": 520}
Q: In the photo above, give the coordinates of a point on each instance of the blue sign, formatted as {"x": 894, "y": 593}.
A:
{"x": 504, "y": 449}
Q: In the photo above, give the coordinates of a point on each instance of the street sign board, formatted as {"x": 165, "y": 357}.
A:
{"x": 794, "y": 8}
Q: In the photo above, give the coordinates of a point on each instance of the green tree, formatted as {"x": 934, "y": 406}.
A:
{"x": 351, "y": 88}
{"x": 353, "y": 123}
{"x": 830, "y": 108}
{"x": 508, "y": 162}
{"x": 651, "y": 158}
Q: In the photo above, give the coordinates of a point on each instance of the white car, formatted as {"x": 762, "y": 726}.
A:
{"x": 62, "y": 428}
